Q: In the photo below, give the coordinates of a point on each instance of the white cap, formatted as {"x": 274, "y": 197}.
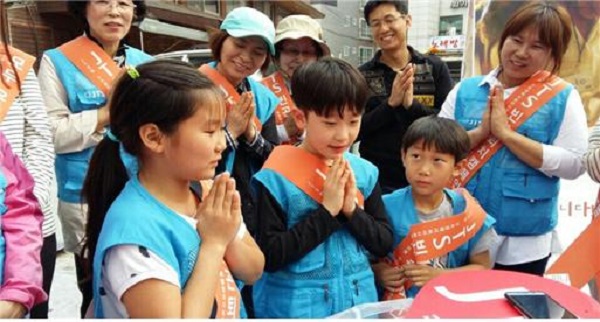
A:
{"x": 300, "y": 26}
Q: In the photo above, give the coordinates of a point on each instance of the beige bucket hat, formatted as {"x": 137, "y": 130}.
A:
{"x": 299, "y": 26}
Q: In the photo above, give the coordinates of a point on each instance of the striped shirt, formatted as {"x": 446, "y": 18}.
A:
{"x": 27, "y": 129}
{"x": 592, "y": 161}
{"x": 592, "y": 156}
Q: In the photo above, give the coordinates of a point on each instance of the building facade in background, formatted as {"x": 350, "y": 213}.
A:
{"x": 435, "y": 23}
{"x": 345, "y": 30}
{"x": 440, "y": 24}
{"x": 170, "y": 25}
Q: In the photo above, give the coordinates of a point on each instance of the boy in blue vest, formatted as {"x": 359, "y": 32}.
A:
{"x": 320, "y": 210}
{"x": 443, "y": 229}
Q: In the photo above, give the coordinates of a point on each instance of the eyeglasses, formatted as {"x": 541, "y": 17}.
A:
{"x": 122, "y": 6}
{"x": 296, "y": 51}
{"x": 388, "y": 20}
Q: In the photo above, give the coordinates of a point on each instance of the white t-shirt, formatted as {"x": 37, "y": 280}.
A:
{"x": 485, "y": 243}
{"x": 126, "y": 265}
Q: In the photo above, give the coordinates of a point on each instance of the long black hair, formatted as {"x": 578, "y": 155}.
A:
{"x": 165, "y": 93}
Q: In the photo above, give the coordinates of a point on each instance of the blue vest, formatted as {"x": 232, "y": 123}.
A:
{"x": 265, "y": 102}
{"x": 402, "y": 215}
{"x": 334, "y": 276}
{"x": 522, "y": 199}
{"x": 3, "y": 186}
{"x": 163, "y": 232}
{"x": 83, "y": 95}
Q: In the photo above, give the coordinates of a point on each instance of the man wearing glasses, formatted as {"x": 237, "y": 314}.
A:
{"x": 405, "y": 85}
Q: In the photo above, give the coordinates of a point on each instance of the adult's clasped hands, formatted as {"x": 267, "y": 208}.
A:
{"x": 402, "y": 88}
{"x": 495, "y": 120}
{"x": 239, "y": 117}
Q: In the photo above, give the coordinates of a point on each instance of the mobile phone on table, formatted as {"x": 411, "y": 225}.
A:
{"x": 538, "y": 305}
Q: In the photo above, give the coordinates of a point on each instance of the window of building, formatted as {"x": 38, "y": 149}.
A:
{"x": 208, "y": 6}
{"x": 332, "y": 3}
{"x": 364, "y": 32}
{"x": 232, "y": 4}
{"x": 346, "y": 51}
{"x": 362, "y": 4}
{"x": 451, "y": 25}
{"x": 364, "y": 54}
{"x": 264, "y": 7}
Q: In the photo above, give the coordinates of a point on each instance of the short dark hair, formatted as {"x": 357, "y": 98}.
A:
{"x": 553, "y": 24}
{"x": 215, "y": 43}
{"x": 445, "y": 135}
{"x": 400, "y": 5}
{"x": 327, "y": 85}
{"x": 77, "y": 8}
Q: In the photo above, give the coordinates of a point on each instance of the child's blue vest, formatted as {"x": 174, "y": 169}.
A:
{"x": 332, "y": 277}
{"x": 265, "y": 102}
{"x": 151, "y": 224}
{"x": 83, "y": 95}
{"x": 521, "y": 199}
{"x": 3, "y": 186}
{"x": 401, "y": 212}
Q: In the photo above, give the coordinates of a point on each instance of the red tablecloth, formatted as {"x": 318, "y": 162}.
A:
{"x": 480, "y": 294}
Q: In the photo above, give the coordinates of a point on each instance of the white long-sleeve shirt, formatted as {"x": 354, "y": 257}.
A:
{"x": 72, "y": 132}
{"x": 564, "y": 159}
{"x": 27, "y": 129}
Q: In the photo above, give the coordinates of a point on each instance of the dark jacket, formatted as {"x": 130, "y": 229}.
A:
{"x": 383, "y": 127}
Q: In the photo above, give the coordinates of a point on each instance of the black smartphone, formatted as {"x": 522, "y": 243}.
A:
{"x": 538, "y": 305}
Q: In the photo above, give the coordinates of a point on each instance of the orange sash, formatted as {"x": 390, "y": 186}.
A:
{"x": 9, "y": 88}
{"x": 231, "y": 95}
{"x": 520, "y": 106}
{"x": 429, "y": 240}
{"x": 581, "y": 260}
{"x": 305, "y": 170}
{"x": 227, "y": 295}
{"x": 92, "y": 61}
{"x": 277, "y": 85}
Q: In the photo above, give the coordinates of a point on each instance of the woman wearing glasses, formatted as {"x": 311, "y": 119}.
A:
{"x": 298, "y": 40}
{"x": 75, "y": 79}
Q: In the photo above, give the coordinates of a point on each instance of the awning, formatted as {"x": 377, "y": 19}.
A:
{"x": 163, "y": 28}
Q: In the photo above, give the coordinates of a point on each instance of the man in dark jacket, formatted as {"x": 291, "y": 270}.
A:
{"x": 405, "y": 85}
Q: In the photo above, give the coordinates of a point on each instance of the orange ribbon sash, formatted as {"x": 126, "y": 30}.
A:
{"x": 429, "y": 240}
{"x": 232, "y": 97}
{"x": 9, "y": 87}
{"x": 92, "y": 61}
{"x": 276, "y": 84}
{"x": 305, "y": 170}
{"x": 227, "y": 295}
{"x": 520, "y": 106}
{"x": 581, "y": 260}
